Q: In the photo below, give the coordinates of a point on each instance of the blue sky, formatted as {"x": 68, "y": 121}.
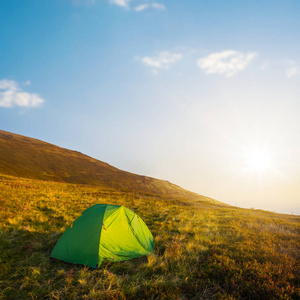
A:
{"x": 205, "y": 94}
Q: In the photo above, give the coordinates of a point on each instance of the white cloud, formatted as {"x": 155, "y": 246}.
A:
{"x": 158, "y": 6}
{"x": 151, "y": 5}
{"x": 141, "y": 7}
{"x": 8, "y": 85}
{"x": 162, "y": 60}
{"x": 293, "y": 71}
{"x": 12, "y": 95}
{"x": 227, "y": 63}
{"x": 123, "y": 3}
{"x": 292, "y": 68}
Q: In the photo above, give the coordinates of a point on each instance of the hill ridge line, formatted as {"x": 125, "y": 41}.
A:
{"x": 27, "y": 157}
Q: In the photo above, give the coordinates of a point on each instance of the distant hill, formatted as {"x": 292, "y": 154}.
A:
{"x": 31, "y": 158}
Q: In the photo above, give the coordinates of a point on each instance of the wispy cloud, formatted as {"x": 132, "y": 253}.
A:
{"x": 292, "y": 68}
{"x": 162, "y": 60}
{"x": 226, "y": 63}
{"x": 150, "y": 5}
{"x": 293, "y": 71}
{"x": 287, "y": 66}
{"x": 123, "y": 3}
{"x": 12, "y": 95}
{"x": 141, "y": 7}
{"x": 158, "y": 6}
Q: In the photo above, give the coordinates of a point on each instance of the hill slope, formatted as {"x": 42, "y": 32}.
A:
{"x": 31, "y": 158}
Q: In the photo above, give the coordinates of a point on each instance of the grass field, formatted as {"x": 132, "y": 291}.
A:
{"x": 203, "y": 250}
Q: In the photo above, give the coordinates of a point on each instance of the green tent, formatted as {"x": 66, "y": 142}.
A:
{"x": 104, "y": 231}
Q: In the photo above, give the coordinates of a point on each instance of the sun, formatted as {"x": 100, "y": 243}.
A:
{"x": 257, "y": 160}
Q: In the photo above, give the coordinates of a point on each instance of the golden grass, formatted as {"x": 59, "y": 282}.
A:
{"x": 202, "y": 251}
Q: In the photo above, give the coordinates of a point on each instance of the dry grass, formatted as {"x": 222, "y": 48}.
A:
{"x": 22, "y": 156}
{"x": 202, "y": 251}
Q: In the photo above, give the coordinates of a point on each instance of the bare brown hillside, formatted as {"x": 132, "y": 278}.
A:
{"x": 31, "y": 158}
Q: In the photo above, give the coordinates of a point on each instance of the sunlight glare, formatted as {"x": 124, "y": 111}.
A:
{"x": 258, "y": 160}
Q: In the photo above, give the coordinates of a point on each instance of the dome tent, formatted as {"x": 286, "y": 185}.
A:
{"x": 104, "y": 231}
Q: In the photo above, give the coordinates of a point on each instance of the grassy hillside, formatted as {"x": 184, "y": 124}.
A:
{"x": 203, "y": 250}
{"x": 30, "y": 158}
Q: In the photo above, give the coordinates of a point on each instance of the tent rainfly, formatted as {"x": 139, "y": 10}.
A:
{"x": 102, "y": 232}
